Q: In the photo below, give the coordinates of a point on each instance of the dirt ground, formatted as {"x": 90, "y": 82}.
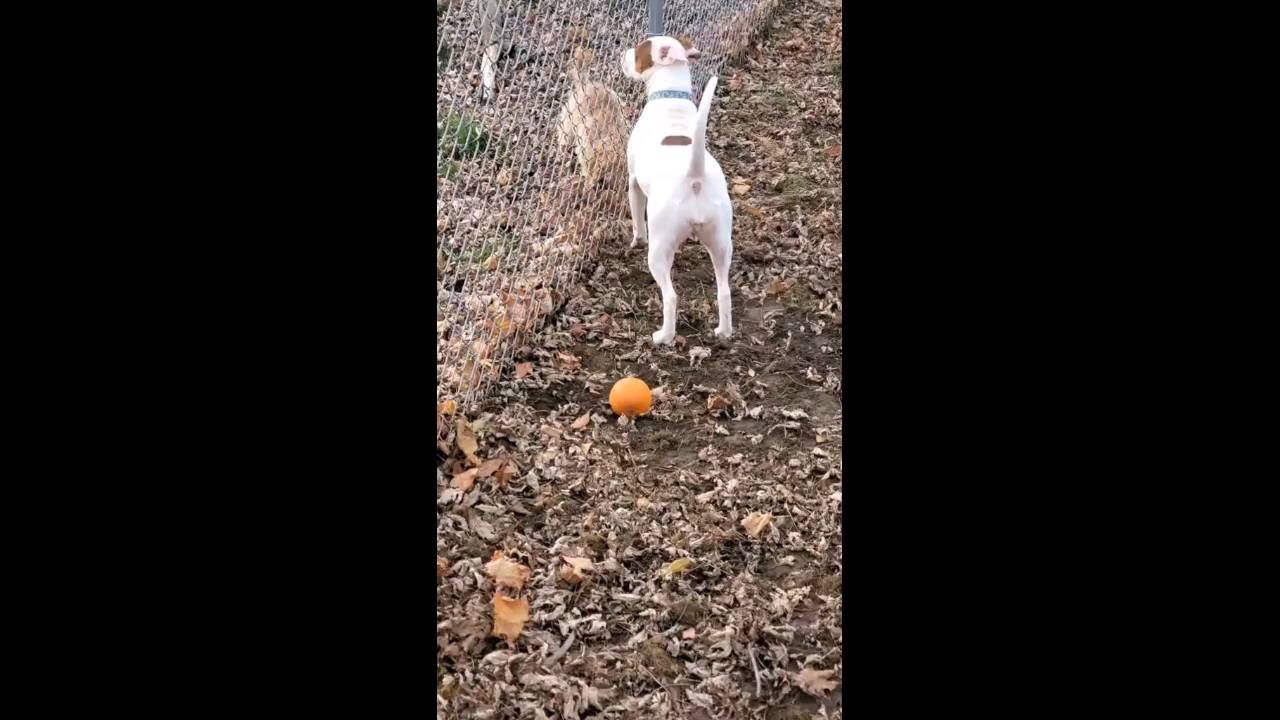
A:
{"x": 669, "y": 605}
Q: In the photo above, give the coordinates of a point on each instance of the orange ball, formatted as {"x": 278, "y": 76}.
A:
{"x": 630, "y": 397}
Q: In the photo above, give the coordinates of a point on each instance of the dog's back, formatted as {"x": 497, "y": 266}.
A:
{"x": 667, "y": 152}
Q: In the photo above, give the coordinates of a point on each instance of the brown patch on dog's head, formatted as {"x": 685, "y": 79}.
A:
{"x": 644, "y": 56}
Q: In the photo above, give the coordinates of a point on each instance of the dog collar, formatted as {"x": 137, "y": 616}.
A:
{"x": 678, "y": 94}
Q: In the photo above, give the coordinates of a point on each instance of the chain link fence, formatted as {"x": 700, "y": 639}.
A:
{"x": 532, "y": 119}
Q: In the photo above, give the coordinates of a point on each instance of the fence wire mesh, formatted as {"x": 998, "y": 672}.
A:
{"x": 532, "y": 118}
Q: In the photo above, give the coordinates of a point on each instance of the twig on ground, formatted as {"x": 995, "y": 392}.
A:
{"x": 752, "y": 652}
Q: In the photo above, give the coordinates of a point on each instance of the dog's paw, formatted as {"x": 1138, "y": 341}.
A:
{"x": 724, "y": 333}
{"x": 662, "y": 338}
{"x": 637, "y": 242}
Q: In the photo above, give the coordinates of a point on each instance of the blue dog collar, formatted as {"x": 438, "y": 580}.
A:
{"x": 678, "y": 94}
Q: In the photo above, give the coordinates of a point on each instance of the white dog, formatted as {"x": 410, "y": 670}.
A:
{"x": 672, "y": 176}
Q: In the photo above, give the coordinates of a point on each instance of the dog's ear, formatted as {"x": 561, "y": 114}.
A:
{"x": 690, "y": 51}
{"x": 669, "y": 53}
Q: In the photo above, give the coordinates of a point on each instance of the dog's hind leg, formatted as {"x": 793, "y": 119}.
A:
{"x": 638, "y": 225}
{"x": 719, "y": 245}
{"x": 662, "y": 255}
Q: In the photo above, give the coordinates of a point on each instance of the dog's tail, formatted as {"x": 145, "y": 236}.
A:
{"x": 697, "y": 165}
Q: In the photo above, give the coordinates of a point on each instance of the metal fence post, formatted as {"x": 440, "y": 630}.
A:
{"x": 655, "y": 18}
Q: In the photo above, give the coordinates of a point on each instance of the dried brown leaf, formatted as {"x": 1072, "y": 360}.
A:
{"x": 716, "y": 403}
{"x": 756, "y": 522}
{"x": 464, "y": 480}
{"x": 677, "y": 566}
{"x": 489, "y": 467}
{"x": 509, "y": 617}
{"x": 506, "y": 573}
{"x": 777, "y": 287}
{"x": 582, "y": 421}
{"x": 574, "y": 570}
{"x": 467, "y": 441}
{"x": 442, "y": 567}
{"x": 523, "y": 369}
{"x": 815, "y": 682}
{"x": 508, "y": 471}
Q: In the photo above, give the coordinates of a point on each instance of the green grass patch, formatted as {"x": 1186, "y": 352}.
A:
{"x": 498, "y": 242}
{"x": 461, "y": 137}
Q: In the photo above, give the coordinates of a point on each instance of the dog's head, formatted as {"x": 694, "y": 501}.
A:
{"x": 638, "y": 62}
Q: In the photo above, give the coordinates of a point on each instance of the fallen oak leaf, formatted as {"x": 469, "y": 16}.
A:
{"x": 582, "y": 421}
{"x": 506, "y": 573}
{"x": 756, "y": 522}
{"x": 815, "y": 682}
{"x": 509, "y": 617}
{"x": 442, "y": 567}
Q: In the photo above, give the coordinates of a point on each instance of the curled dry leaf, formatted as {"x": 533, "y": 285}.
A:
{"x": 815, "y": 682}
{"x": 523, "y": 369}
{"x": 448, "y": 407}
{"x": 467, "y": 441}
{"x": 442, "y": 567}
{"x": 464, "y": 480}
{"x": 756, "y": 522}
{"x": 574, "y": 570}
{"x": 509, "y": 617}
{"x": 678, "y": 566}
{"x": 506, "y": 573}
{"x": 582, "y": 421}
